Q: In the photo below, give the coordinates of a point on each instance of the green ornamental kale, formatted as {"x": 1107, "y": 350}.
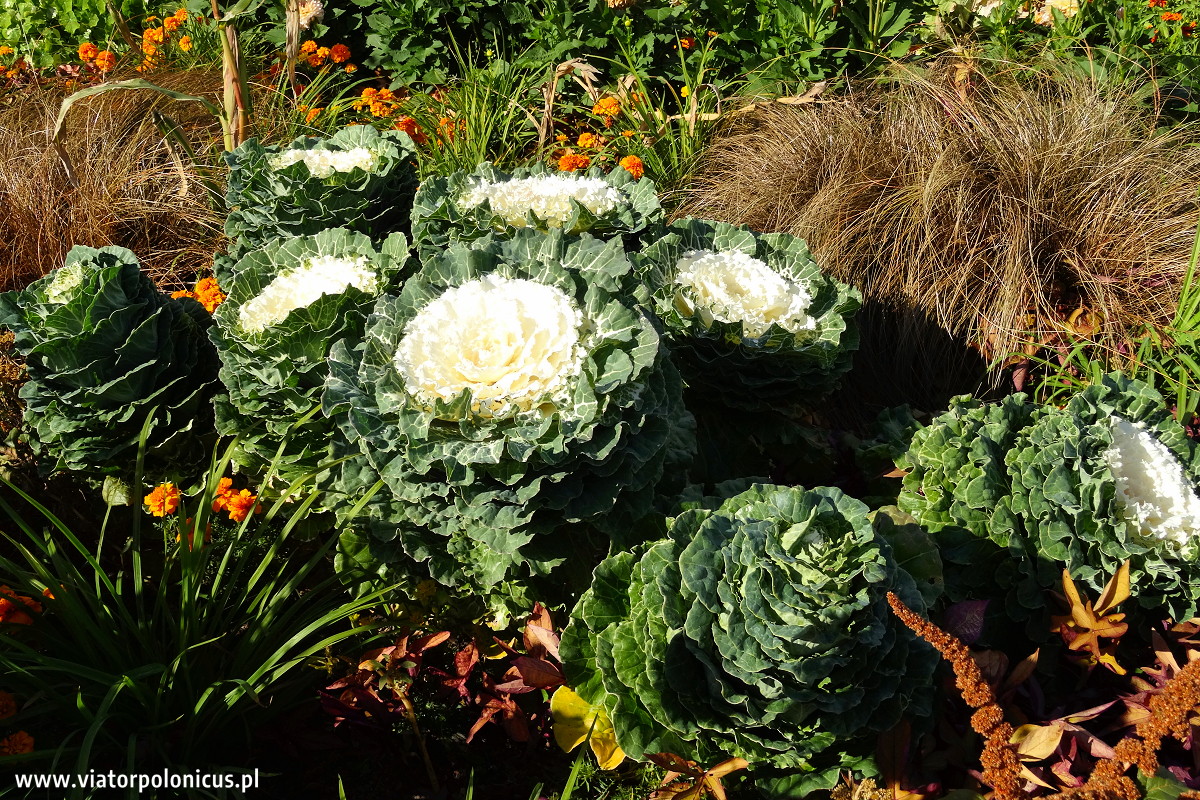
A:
{"x": 107, "y": 352}
{"x": 1107, "y": 478}
{"x": 759, "y": 629}
{"x": 510, "y": 392}
{"x": 291, "y": 300}
{"x": 358, "y": 178}
{"x": 465, "y": 206}
{"x": 750, "y": 319}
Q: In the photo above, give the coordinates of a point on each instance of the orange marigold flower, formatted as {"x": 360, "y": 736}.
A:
{"x": 350, "y": 68}
{"x": 633, "y": 165}
{"x": 312, "y": 114}
{"x": 163, "y": 500}
{"x": 87, "y": 51}
{"x": 587, "y": 139}
{"x": 105, "y": 60}
{"x": 607, "y": 107}
{"x": 149, "y": 48}
{"x": 155, "y": 35}
{"x": 5, "y": 50}
{"x": 1171, "y": 16}
{"x": 209, "y": 294}
{"x": 183, "y": 293}
{"x": 687, "y": 42}
{"x": 171, "y": 24}
{"x": 189, "y": 531}
{"x": 628, "y": 134}
{"x": 224, "y": 492}
{"x": 410, "y": 126}
{"x": 8, "y": 705}
{"x": 185, "y": 43}
{"x": 180, "y": 14}
{"x": 712, "y": 33}
{"x": 1156, "y": 3}
{"x": 573, "y": 161}
{"x": 17, "y": 744}
{"x": 241, "y": 505}
{"x": 339, "y": 54}
{"x": 15, "y": 608}
{"x": 308, "y": 47}
{"x": 562, "y": 137}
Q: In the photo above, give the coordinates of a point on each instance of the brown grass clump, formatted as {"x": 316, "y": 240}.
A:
{"x": 985, "y": 205}
{"x": 132, "y": 192}
{"x": 12, "y": 374}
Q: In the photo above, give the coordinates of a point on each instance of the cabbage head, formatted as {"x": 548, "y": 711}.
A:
{"x": 760, "y": 628}
{"x": 291, "y": 300}
{"x": 466, "y": 206}
{"x": 106, "y": 353}
{"x": 358, "y": 178}
{"x": 750, "y": 319}
{"x": 1109, "y": 477}
{"x": 514, "y": 401}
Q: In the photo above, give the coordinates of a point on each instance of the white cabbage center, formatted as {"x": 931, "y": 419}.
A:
{"x": 511, "y": 342}
{"x": 301, "y": 287}
{"x": 325, "y": 163}
{"x": 547, "y": 196}
{"x": 66, "y": 280}
{"x": 736, "y": 287}
{"x": 1155, "y": 496}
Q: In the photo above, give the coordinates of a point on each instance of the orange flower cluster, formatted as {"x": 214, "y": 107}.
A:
{"x": 15, "y": 609}
{"x": 316, "y": 56}
{"x": 1156, "y": 3}
{"x": 185, "y": 43}
{"x": 607, "y": 107}
{"x": 633, "y": 165}
{"x": 163, "y": 500}
{"x": 588, "y": 139}
{"x": 1001, "y": 765}
{"x": 1172, "y": 16}
{"x": 687, "y": 42}
{"x": 310, "y": 113}
{"x": 239, "y": 505}
{"x": 380, "y": 102}
{"x": 17, "y": 744}
{"x": 410, "y": 126}
{"x": 93, "y": 56}
{"x": 572, "y": 161}
{"x": 206, "y": 292}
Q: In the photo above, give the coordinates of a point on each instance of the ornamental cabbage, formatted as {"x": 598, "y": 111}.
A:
{"x": 291, "y": 300}
{"x": 107, "y": 353}
{"x": 750, "y": 319}
{"x": 759, "y": 629}
{"x": 1109, "y": 477}
{"x": 463, "y": 207}
{"x": 508, "y": 393}
{"x": 358, "y": 178}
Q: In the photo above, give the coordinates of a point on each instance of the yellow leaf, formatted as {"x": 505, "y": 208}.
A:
{"x": 1035, "y": 742}
{"x": 576, "y": 721}
{"x": 1116, "y": 592}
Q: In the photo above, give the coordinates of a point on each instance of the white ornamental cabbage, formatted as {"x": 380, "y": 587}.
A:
{"x": 1155, "y": 496}
{"x": 750, "y": 319}
{"x": 1106, "y": 479}
{"x": 734, "y": 286}
{"x": 326, "y": 163}
{"x": 463, "y": 207}
{"x": 291, "y": 301}
{"x": 514, "y": 343}
{"x": 548, "y": 197}
{"x": 302, "y": 286}
{"x": 517, "y": 406}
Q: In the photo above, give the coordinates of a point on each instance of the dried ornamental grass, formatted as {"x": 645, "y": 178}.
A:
{"x": 132, "y": 193}
{"x": 982, "y": 204}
